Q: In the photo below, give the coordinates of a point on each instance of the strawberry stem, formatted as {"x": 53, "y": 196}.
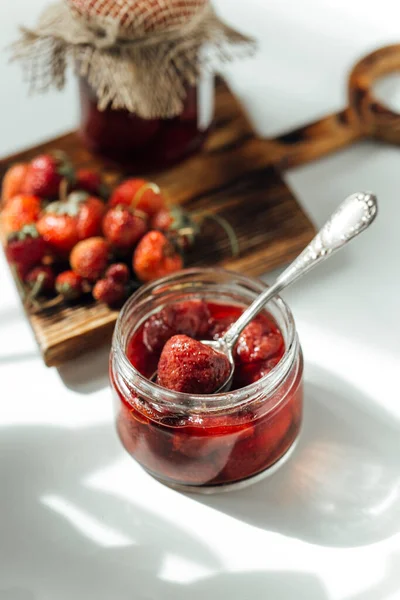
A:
{"x": 230, "y": 232}
{"x": 142, "y": 190}
{"x": 64, "y": 189}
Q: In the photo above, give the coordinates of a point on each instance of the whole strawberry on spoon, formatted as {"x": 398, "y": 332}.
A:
{"x": 201, "y": 359}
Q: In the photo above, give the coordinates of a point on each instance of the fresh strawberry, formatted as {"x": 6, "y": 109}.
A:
{"x": 69, "y": 285}
{"x": 139, "y": 194}
{"x": 118, "y": 272}
{"x": 21, "y": 210}
{"x": 45, "y": 174}
{"x": 42, "y": 279}
{"x": 13, "y": 181}
{"x": 25, "y": 249}
{"x": 190, "y": 318}
{"x": 89, "y": 258}
{"x": 162, "y": 220}
{"x": 189, "y": 366}
{"x": 59, "y": 231}
{"x": 89, "y": 180}
{"x": 63, "y": 224}
{"x": 109, "y": 291}
{"x": 155, "y": 256}
{"x": 90, "y": 215}
{"x": 178, "y": 222}
{"x": 123, "y": 227}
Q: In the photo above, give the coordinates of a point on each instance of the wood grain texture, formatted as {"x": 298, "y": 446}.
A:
{"x": 233, "y": 178}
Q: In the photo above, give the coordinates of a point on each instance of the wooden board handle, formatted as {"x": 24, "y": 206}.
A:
{"x": 371, "y": 116}
{"x": 365, "y": 117}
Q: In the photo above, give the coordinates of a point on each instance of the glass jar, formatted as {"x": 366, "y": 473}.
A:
{"x": 144, "y": 144}
{"x": 206, "y": 443}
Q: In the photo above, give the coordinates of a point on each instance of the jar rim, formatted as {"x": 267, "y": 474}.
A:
{"x": 204, "y": 402}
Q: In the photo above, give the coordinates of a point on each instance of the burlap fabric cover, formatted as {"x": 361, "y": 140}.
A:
{"x": 138, "y": 55}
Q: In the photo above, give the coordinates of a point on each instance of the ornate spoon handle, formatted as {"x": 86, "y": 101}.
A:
{"x": 352, "y": 217}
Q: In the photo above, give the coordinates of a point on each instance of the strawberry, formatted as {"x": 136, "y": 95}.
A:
{"x": 259, "y": 341}
{"x": 45, "y": 174}
{"x": 139, "y": 194}
{"x": 89, "y": 216}
{"x": 25, "y": 249}
{"x": 13, "y": 181}
{"x": 42, "y": 278}
{"x": 118, "y": 272}
{"x": 155, "y": 256}
{"x": 21, "y": 210}
{"x": 179, "y": 223}
{"x": 89, "y": 180}
{"x": 162, "y": 220}
{"x": 123, "y": 227}
{"x": 109, "y": 291}
{"x": 190, "y": 318}
{"x": 69, "y": 285}
{"x": 89, "y": 258}
{"x": 63, "y": 224}
{"x": 189, "y": 366}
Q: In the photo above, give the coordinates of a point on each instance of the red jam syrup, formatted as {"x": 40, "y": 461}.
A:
{"x": 211, "y": 449}
{"x": 140, "y": 143}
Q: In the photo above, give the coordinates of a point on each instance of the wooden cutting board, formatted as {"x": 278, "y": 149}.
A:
{"x": 233, "y": 178}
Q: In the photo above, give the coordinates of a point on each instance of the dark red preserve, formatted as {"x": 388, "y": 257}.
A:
{"x": 211, "y": 441}
{"x": 143, "y": 144}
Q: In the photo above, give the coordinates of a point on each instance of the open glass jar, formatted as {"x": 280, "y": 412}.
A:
{"x": 147, "y": 144}
{"x": 206, "y": 443}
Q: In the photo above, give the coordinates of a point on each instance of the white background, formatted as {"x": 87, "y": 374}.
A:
{"x": 78, "y": 518}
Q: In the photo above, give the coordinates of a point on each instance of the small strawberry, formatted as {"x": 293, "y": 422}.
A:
{"x": 178, "y": 222}
{"x": 41, "y": 279}
{"x": 25, "y": 249}
{"x": 21, "y": 210}
{"x": 109, "y": 291}
{"x": 89, "y": 258}
{"x": 13, "y": 181}
{"x": 90, "y": 215}
{"x": 118, "y": 272}
{"x": 45, "y": 174}
{"x": 69, "y": 285}
{"x": 189, "y": 366}
{"x": 123, "y": 227}
{"x": 155, "y": 256}
{"x": 64, "y": 223}
{"x": 140, "y": 194}
{"x": 162, "y": 220}
{"x": 89, "y": 180}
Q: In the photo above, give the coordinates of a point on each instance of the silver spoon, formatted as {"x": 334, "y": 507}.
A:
{"x": 352, "y": 217}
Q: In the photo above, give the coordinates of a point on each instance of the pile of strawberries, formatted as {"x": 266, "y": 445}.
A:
{"x": 66, "y": 236}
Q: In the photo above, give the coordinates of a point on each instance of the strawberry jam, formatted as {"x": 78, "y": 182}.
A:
{"x": 146, "y": 144}
{"x": 192, "y": 444}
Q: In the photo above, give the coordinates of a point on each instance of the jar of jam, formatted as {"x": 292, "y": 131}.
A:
{"x": 206, "y": 443}
{"x": 147, "y": 144}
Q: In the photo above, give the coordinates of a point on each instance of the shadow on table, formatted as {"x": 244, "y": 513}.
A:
{"x": 62, "y": 539}
{"x": 88, "y": 373}
{"x": 342, "y": 485}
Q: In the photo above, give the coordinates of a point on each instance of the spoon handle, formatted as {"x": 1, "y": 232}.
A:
{"x": 352, "y": 217}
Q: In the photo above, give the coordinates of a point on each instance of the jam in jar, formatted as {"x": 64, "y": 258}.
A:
{"x": 147, "y": 144}
{"x": 205, "y": 443}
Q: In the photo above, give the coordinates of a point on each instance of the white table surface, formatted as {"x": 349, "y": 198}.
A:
{"x": 79, "y": 519}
